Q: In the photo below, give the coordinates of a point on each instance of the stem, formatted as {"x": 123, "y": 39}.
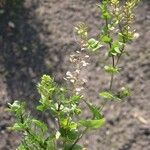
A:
{"x": 120, "y": 28}
{"x": 111, "y": 81}
{"x": 77, "y": 140}
{"x": 113, "y": 58}
{"x": 112, "y": 75}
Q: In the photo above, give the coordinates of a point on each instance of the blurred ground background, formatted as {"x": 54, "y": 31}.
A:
{"x": 37, "y": 38}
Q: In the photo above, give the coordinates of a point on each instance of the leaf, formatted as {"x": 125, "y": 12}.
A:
{"x": 17, "y": 107}
{"x": 46, "y": 87}
{"x": 124, "y": 92}
{"x": 40, "y": 124}
{"x": 106, "y": 15}
{"x": 41, "y": 107}
{"x": 93, "y": 45}
{"x": 68, "y": 134}
{"x": 95, "y": 111}
{"x": 106, "y": 39}
{"x": 115, "y": 50}
{"x": 73, "y": 126}
{"x": 92, "y": 124}
{"x": 107, "y": 95}
{"x": 18, "y": 127}
{"x": 111, "y": 69}
{"x": 75, "y": 98}
{"x": 50, "y": 143}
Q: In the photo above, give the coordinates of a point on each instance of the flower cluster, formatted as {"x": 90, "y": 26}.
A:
{"x": 79, "y": 61}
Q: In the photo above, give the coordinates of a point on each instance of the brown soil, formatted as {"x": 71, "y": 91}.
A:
{"x": 38, "y": 38}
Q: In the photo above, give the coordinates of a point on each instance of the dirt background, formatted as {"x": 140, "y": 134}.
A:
{"x": 37, "y": 38}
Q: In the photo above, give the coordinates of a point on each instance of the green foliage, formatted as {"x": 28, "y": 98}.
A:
{"x": 64, "y": 108}
{"x": 63, "y": 104}
{"x": 93, "y": 45}
{"x": 92, "y": 124}
{"x": 111, "y": 69}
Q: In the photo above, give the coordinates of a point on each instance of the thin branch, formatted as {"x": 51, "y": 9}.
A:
{"x": 78, "y": 139}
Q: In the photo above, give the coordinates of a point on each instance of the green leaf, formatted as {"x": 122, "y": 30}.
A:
{"x": 95, "y": 111}
{"x": 68, "y": 134}
{"x": 76, "y": 147}
{"x": 124, "y": 92}
{"x": 64, "y": 122}
{"x": 107, "y": 95}
{"x": 73, "y": 126}
{"x": 41, "y": 107}
{"x": 93, "y": 45}
{"x": 104, "y": 10}
{"x": 75, "y": 98}
{"x": 111, "y": 69}
{"x": 106, "y": 39}
{"x": 40, "y": 124}
{"x": 92, "y": 124}
{"x": 18, "y": 127}
{"x": 50, "y": 143}
{"x": 115, "y": 50}
{"x": 106, "y": 15}
{"x": 46, "y": 87}
{"x": 17, "y": 107}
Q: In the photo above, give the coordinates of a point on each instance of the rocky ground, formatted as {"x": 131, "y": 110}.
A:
{"x": 38, "y": 38}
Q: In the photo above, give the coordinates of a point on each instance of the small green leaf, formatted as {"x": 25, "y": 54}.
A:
{"x": 73, "y": 126}
{"x": 75, "y": 98}
{"x": 111, "y": 69}
{"x": 124, "y": 92}
{"x": 18, "y": 127}
{"x": 109, "y": 96}
{"x": 92, "y": 124}
{"x": 41, "y": 108}
{"x": 115, "y": 50}
{"x": 40, "y": 124}
{"x": 106, "y": 95}
{"x": 106, "y": 39}
{"x": 50, "y": 143}
{"x": 93, "y": 45}
{"x": 95, "y": 111}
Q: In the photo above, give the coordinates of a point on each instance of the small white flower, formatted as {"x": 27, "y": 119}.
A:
{"x": 87, "y": 56}
{"x": 84, "y": 80}
{"x": 77, "y": 71}
{"x": 69, "y": 74}
{"x": 78, "y": 52}
{"x": 79, "y": 89}
{"x": 72, "y": 80}
{"x": 65, "y": 79}
{"x": 136, "y": 35}
{"x": 11, "y": 24}
{"x": 84, "y": 63}
{"x": 73, "y": 58}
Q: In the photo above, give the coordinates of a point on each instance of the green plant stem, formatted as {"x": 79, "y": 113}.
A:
{"x": 112, "y": 75}
{"x": 113, "y": 58}
{"x": 79, "y": 137}
{"x": 111, "y": 81}
{"x": 120, "y": 28}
